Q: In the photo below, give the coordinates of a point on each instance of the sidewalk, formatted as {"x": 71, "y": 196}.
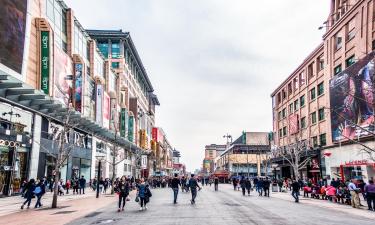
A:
{"x": 327, "y": 204}
{"x": 70, "y": 207}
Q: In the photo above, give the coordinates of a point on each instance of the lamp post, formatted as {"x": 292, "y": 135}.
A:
{"x": 99, "y": 158}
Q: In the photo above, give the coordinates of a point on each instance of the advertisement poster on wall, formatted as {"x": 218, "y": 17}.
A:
{"x": 89, "y": 100}
{"x": 99, "y": 104}
{"x": 78, "y": 86}
{"x": 131, "y": 129}
{"x": 124, "y": 120}
{"x": 63, "y": 66}
{"x": 352, "y": 99}
{"x": 114, "y": 121}
{"x": 13, "y": 15}
{"x": 106, "y": 110}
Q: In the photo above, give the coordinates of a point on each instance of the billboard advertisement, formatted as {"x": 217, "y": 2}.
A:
{"x": 89, "y": 99}
{"x": 78, "y": 86}
{"x": 131, "y": 129}
{"x": 124, "y": 122}
{"x": 63, "y": 66}
{"x": 13, "y": 31}
{"x": 99, "y": 104}
{"x": 44, "y": 61}
{"x": 351, "y": 101}
{"x": 106, "y": 110}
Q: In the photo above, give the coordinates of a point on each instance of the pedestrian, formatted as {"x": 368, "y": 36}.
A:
{"x": 123, "y": 189}
{"x": 216, "y": 181}
{"x": 266, "y": 187}
{"x": 256, "y": 183}
{"x": 260, "y": 187}
{"x": 234, "y": 180}
{"x": 248, "y": 186}
{"x": 60, "y": 187}
{"x": 175, "y": 185}
{"x": 105, "y": 185}
{"x": 243, "y": 185}
{"x": 370, "y": 195}
{"x": 193, "y": 185}
{"x": 67, "y": 186}
{"x": 29, "y": 192}
{"x": 144, "y": 194}
{"x": 354, "y": 194}
{"x": 295, "y": 190}
{"x": 50, "y": 186}
{"x": 82, "y": 185}
{"x": 39, "y": 191}
{"x": 280, "y": 184}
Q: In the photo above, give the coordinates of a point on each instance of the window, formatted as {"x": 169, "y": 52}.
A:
{"x": 312, "y": 94}
{"x": 302, "y": 78}
{"x": 315, "y": 141}
{"x": 295, "y": 82}
{"x": 280, "y": 132}
{"x": 302, "y": 101}
{"x": 115, "y": 48}
{"x": 350, "y": 61}
{"x": 303, "y": 122}
{"x": 291, "y": 108}
{"x": 337, "y": 69}
{"x": 284, "y": 131}
{"x": 57, "y": 18}
{"x": 279, "y": 116}
{"x": 313, "y": 118}
{"x": 103, "y": 47}
{"x": 115, "y": 65}
{"x": 283, "y": 94}
{"x": 350, "y": 29}
{"x": 284, "y": 112}
{"x": 323, "y": 141}
{"x": 338, "y": 42}
{"x": 321, "y": 63}
{"x": 321, "y": 114}
{"x": 295, "y": 105}
{"x": 310, "y": 71}
{"x": 373, "y": 43}
{"x": 290, "y": 89}
{"x": 320, "y": 89}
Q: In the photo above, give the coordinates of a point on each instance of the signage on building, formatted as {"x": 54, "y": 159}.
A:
{"x": 99, "y": 104}
{"x": 362, "y": 162}
{"x": 89, "y": 100}
{"x": 45, "y": 62}
{"x": 131, "y": 129}
{"x": 106, "y": 110}
{"x": 143, "y": 139}
{"x": 123, "y": 122}
{"x": 144, "y": 161}
{"x": 78, "y": 87}
{"x": 157, "y": 135}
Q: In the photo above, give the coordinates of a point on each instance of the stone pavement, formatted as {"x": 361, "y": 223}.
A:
{"x": 70, "y": 207}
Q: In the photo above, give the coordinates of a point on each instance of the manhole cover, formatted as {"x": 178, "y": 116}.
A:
{"x": 64, "y": 212}
{"x": 105, "y": 221}
{"x": 92, "y": 214}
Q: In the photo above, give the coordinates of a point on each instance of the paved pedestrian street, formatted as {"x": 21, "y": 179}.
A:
{"x": 226, "y": 207}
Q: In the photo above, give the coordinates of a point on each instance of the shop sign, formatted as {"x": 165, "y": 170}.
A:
{"x": 144, "y": 162}
{"x": 45, "y": 62}
{"x": 123, "y": 119}
{"x": 357, "y": 163}
{"x": 131, "y": 129}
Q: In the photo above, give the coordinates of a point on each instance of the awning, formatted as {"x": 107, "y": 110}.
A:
{"x": 19, "y": 94}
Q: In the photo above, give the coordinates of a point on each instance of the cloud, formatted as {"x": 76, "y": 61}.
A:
{"x": 213, "y": 63}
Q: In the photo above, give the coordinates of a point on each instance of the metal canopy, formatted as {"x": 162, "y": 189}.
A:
{"x": 23, "y": 96}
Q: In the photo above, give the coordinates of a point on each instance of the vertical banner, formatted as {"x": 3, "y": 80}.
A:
{"x": 131, "y": 129}
{"x": 45, "y": 62}
{"x": 78, "y": 87}
{"x": 106, "y": 110}
{"x": 123, "y": 122}
{"x": 89, "y": 100}
{"x": 99, "y": 104}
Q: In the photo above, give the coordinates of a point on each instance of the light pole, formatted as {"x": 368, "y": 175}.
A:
{"x": 99, "y": 158}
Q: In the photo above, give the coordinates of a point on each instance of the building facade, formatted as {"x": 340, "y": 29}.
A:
{"x": 327, "y": 101}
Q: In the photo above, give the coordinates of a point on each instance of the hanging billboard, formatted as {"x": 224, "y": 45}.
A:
{"x": 78, "y": 86}
{"x": 13, "y": 15}
{"x": 106, "y": 110}
{"x": 89, "y": 99}
{"x": 124, "y": 122}
{"x": 63, "y": 66}
{"x": 352, "y": 100}
{"x": 99, "y": 104}
{"x": 131, "y": 128}
{"x": 44, "y": 61}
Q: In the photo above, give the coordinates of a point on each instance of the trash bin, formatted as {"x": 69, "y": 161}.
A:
{"x": 274, "y": 187}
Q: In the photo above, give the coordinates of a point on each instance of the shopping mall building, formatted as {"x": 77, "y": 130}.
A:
{"x": 328, "y": 101}
{"x": 49, "y": 64}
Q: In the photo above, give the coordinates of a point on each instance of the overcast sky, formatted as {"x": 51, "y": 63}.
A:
{"x": 213, "y": 63}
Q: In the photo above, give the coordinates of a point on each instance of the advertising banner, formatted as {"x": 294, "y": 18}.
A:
{"x": 144, "y": 161}
{"x": 99, "y": 104}
{"x": 44, "y": 62}
{"x": 352, "y": 99}
{"x": 63, "y": 67}
{"x": 78, "y": 87}
{"x": 131, "y": 129}
{"x": 123, "y": 122}
{"x": 89, "y": 100}
{"x": 12, "y": 33}
{"x": 114, "y": 122}
{"x": 106, "y": 110}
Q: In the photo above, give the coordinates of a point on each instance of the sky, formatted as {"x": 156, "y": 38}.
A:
{"x": 213, "y": 63}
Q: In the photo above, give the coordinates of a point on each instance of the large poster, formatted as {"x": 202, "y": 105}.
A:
{"x": 106, "y": 108}
{"x": 89, "y": 99}
{"x": 99, "y": 104}
{"x": 352, "y": 99}
{"x": 78, "y": 87}
{"x": 12, "y": 33}
{"x": 63, "y": 66}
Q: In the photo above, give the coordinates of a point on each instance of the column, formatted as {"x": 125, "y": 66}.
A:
{"x": 34, "y": 156}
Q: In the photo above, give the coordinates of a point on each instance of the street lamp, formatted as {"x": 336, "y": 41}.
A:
{"x": 99, "y": 158}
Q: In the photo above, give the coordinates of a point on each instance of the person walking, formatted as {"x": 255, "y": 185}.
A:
{"x": 193, "y": 185}
{"x": 354, "y": 194}
{"x": 29, "y": 193}
{"x": 39, "y": 191}
{"x": 82, "y": 185}
{"x": 234, "y": 180}
{"x": 243, "y": 185}
{"x": 75, "y": 185}
{"x": 370, "y": 194}
{"x": 266, "y": 187}
{"x": 144, "y": 194}
{"x": 175, "y": 185}
{"x": 295, "y": 190}
{"x": 123, "y": 189}
{"x": 216, "y": 182}
{"x": 248, "y": 186}
{"x": 260, "y": 187}
{"x": 280, "y": 184}
{"x": 67, "y": 186}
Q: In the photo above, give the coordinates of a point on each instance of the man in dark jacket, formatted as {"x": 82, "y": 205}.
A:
{"x": 175, "y": 185}
{"x": 82, "y": 185}
{"x": 39, "y": 191}
{"x": 295, "y": 190}
{"x": 266, "y": 187}
{"x": 248, "y": 186}
{"x": 193, "y": 184}
{"x": 216, "y": 181}
{"x": 243, "y": 185}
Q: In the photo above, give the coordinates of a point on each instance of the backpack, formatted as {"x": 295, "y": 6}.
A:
{"x": 37, "y": 190}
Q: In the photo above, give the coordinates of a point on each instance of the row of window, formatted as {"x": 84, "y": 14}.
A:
{"x": 348, "y": 62}
{"x": 56, "y": 15}
{"x": 322, "y": 137}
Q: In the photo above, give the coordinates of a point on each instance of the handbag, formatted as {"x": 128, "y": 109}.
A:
{"x": 137, "y": 199}
{"x": 127, "y": 199}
